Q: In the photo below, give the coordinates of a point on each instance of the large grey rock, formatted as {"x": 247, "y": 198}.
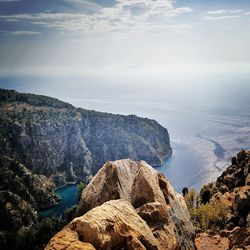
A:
{"x": 113, "y": 225}
{"x": 148, "y": 191}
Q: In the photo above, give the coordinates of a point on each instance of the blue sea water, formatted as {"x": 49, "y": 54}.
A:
{"x": 68, "y": 196}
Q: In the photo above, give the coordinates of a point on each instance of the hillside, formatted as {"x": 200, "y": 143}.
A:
{"x": 55, "y": 139}
{"x": 21, "y": 194}
{"x": 46, "y": 143}
{"x": 221, "y": 211}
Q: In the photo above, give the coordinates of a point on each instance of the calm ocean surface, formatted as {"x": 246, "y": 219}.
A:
{"x": 68, "y": 199}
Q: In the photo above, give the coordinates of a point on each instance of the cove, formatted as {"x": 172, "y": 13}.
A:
{"x": 68, "y": 196}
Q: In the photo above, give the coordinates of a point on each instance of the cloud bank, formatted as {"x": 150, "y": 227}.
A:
{"x": 123, "y": 16}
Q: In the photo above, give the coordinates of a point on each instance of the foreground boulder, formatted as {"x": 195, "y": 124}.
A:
{"x": 115, "y": 224}
{"x": 129, "y": 205}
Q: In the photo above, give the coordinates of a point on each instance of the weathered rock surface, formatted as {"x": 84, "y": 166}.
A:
{"x": 239, "y": 237}
{"x": 230, "y": 188}
{"x": 70, "y": 143}
{"x": 69, "y": 240}
{"x": 233, "y": 190}
{"x": 204, "y": 241}
{"x": 144, "y": 212}
{"x": 235, "y": 175}
{"x": 113, "y": 225}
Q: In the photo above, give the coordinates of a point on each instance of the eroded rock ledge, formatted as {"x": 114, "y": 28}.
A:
{"x": 128, "y": 205}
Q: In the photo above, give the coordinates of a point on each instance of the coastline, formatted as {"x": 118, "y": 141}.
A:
{"x": 66, "y": 185}
{"x": 68, "y": 195}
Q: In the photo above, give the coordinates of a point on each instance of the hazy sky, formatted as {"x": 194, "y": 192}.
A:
{"x": 113, "y": 37}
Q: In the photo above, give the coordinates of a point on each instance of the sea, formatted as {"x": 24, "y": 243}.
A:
{"x": 207, "y": 116}
{"x": 68, "y": 197}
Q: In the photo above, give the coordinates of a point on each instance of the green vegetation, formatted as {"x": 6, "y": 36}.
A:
{"x": 24, "y": 192}
{"x": 69, "y": 214}
{"x": 36, "y": 100}
{"x": 211, "y": 215}
{"x": 191, "y": 199}
{"x": 80, "y": 188}
{"x": 34, "y": 238}
{"x": 37, "y": 190}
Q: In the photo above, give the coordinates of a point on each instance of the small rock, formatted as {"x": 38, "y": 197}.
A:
{"x": 241, "y": 156}
{"x": 248, "y": 220}
{"x": 247, "y": 181}
{"x": 197, "y": 230}
{"x": 234, "y": 161}
{"x": 238, "y": 236}
{"x": 216, "y": 239}
{"x": 224, "y": 233}
{"x": 223, "y": 189}
{"x": 229, "y": 226}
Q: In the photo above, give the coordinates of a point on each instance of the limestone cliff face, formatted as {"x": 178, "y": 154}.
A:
{"x": 55, "y": 139}
{"x": 129, "y": 205}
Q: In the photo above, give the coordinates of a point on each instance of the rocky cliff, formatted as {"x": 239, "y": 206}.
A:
{"x": 21, "y": 194}
{"x": 57, "y": 140}
{"x": 232, "y": 190}
{"x": 128, "y": 205}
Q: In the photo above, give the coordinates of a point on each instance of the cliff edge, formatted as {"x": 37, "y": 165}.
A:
{"x": 55, "y": 139}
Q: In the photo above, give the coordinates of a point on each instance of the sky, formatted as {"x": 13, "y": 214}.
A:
{"x": 123, "y": 37}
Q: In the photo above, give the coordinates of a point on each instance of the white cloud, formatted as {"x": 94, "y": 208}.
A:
{"x": 11, "y": 20}
{"x": 219, "y": 12}
{"x": 25, "y": 33}
{"x": 84, "y": 5}
{"x": 213, "y": 18}
{"x": 213, "y": 15}
{"x": 123, "y": 16}
{"x": 247, "y": 13}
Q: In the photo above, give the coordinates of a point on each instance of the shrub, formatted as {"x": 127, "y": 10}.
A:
{"x": 205, "y": 194}
{"x": 211, "y": 215}
{"x": 69, "y": 214}
{"x": 191, "y": 199}
{"x": 80, "y": 188}
{"x": 38, "y": 235}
